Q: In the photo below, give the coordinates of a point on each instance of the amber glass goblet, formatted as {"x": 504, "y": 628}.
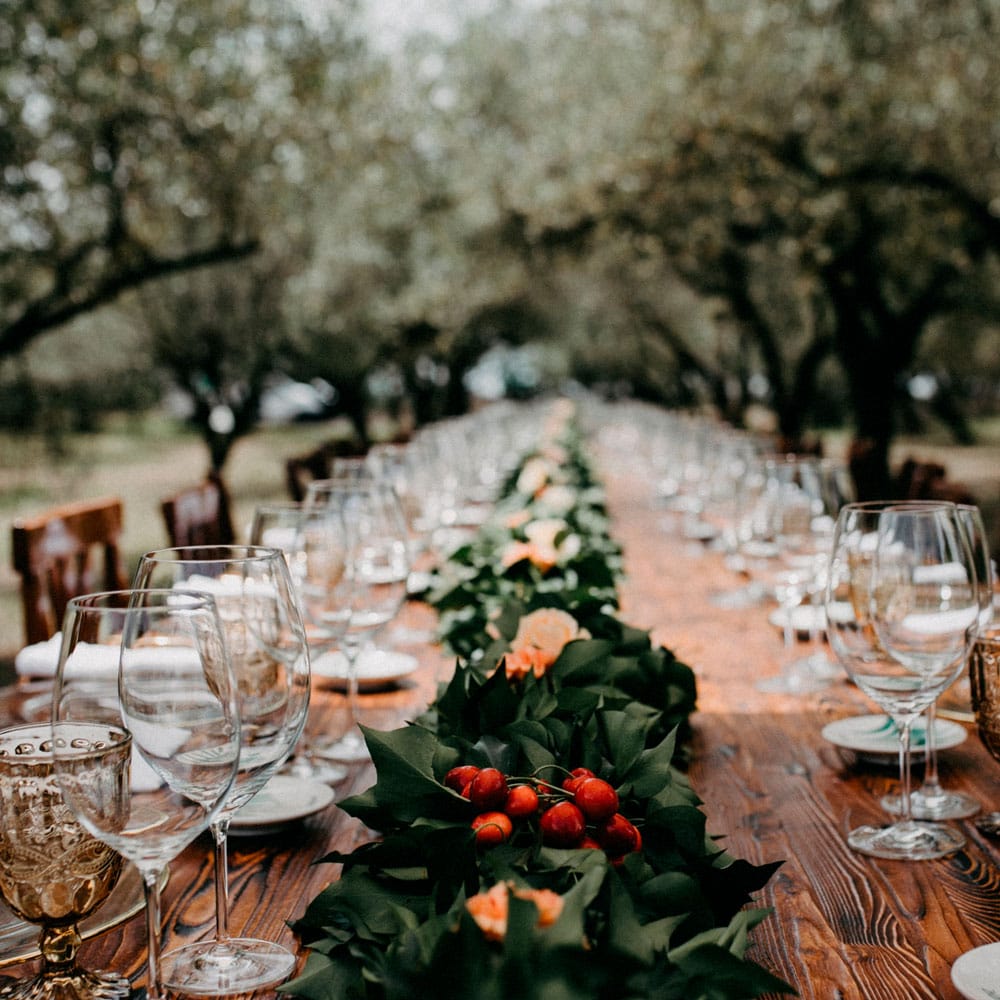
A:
{"x": 52, "y": 872}
{"x": 984, "y": 684}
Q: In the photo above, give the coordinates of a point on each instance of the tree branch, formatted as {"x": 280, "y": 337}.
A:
{"x": 52, "y": 311}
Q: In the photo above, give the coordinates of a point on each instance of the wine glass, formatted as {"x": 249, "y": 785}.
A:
{"x": 266, "y": 641}
{"x": 52, "y": 871}
{"x": 797, "y": 506}
{"x": 902, "y": 634}
{"x": 314, "y": 548}
{"x": 146, "y": 763}
{"x": 931, "y": 800}
{"x": 374, "y": 587}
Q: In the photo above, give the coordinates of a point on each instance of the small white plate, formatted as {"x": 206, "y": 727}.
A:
{"x": 873, "y": 738}
{"x": 377, "y": 669}
{"x": 283, "y": 800}
{"x": 805, "y": 618}
{"x": 976, "y": 974}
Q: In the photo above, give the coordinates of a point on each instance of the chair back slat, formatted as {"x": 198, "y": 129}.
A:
{"x": 199, "y": 515}
{"x": 63, "y": 552}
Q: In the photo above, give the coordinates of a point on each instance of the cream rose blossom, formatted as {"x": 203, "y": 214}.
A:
{"x": 541, "y": 636}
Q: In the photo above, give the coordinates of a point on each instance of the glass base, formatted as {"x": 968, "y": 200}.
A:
{"x": 214, "y": 969}
{"x": 67, "y": 984}
{"x": 738, "y": 598}
{"x": 989, "y": 824}
{"x": 906, "y": 841}
{"x": 793, "y": 682}
{"x": 312, "y": 767}
{"x": 943, "y": 805}
{"x": 349, "y": 748}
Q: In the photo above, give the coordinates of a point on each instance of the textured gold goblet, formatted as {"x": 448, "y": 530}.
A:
{"x": 52, "y": 872}
{"x": 984, "y": 684}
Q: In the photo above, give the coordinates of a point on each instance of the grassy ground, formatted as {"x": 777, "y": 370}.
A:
{"x": 144, "y": 460}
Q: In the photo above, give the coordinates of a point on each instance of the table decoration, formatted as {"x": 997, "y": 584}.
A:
{"x": 537, "y": 834}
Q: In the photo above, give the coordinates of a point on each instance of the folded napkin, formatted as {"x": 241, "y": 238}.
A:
{"x": 99, "y": 661}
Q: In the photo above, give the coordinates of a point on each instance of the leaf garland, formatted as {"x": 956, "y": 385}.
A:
{"x": 668, "y": 922}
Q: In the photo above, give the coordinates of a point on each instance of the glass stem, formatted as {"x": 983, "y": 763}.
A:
{"x": 931, "y": 784}
{"x": 220, "y": 835}
{"x": 905, "y": 805}
{"x": 151, "y": 890}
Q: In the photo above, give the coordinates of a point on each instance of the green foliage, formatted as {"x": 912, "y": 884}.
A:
{"x": 668, "y": 920}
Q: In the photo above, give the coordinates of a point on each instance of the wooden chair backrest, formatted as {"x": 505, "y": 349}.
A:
{"x": 64, "y": 552}
{"x": 199, "y": 515}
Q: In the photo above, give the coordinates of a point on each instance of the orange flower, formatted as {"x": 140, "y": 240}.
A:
{"x": 548, "y": 629}
{"x": 489, "y": 909}
{"x": 527, "y": 660}
{"x": 541, "y": 636}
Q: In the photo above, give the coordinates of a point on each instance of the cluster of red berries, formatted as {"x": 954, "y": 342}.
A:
{"x": 581, "y": 812}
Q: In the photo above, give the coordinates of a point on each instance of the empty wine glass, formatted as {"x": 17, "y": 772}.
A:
{"x": 902, "y": 633}
{"x": 796, "y": 504}
{"x": 266, "y": 642}
{"x": 53, "y": 873}
{"x": 146, "y": 763}
{"x": 374, "y": 586}
{"x": 315, "y": 548}
{"x": 931, "y": 800}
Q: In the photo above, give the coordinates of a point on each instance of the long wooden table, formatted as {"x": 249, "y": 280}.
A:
{"x": 844, "y": 927}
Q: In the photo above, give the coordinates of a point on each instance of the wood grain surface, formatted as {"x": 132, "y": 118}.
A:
{"x": 844, "y": 926}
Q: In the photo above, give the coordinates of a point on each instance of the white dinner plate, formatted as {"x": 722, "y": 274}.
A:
{"x": 283, "y": 800}
{"x": 805, "y": 618}
{"x": 976, "y": 974}
{"x": 377, "y": 668}
{"x": 873, "y": 738}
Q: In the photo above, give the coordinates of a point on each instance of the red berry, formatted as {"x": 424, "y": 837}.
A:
{"x": 589, "y": 842}
{"x": 492, "y": 828}
{"x": 618, "y": 836}
{"x": 563, "y": 825}
{"x": 596, "y": 798}
{"x": 522, "y": 800}
{"x": 458, "y": 777}
{"x": 577, "y": 775}
{"x": 488, "y": 789}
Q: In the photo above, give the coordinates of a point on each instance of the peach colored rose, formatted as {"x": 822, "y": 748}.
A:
{"x": 533, "y": 476}
{"x": 489, "y": 909}
{"x": 517, "y": 519}
{"x": 548, "y": 629}
{"x": 518, "y": 663}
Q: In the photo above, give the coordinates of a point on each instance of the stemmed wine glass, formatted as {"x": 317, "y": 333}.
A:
{"x": 53, "y": 872}
{"x": 931, "y": 800}
{"x": 367, "y": 515}
{"x": 801, "y": 521}
{"x": 314, "y": 546}
{"x": 902, "y": 632}
{"x": 266, "y": 641}
{"x": 145, "y": 764}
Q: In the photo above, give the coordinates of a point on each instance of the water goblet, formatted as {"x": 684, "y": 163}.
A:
{"x": 369, "y": 514}
{"x": 901, "y": 637}
{"x": 53, "y": 873}
{"x": 268, "y": 653}
{"x": 166, "y": 733}
{"x": 314, "y": 548}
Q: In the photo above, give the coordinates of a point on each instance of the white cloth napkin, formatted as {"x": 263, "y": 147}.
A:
{"x": 99, "y": 661}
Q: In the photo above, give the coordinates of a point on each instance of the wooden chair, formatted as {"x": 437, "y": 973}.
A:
{"x": 301, "y": 470}
{"x": 199, "y": 515}
{"x": 63, "y": 552}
